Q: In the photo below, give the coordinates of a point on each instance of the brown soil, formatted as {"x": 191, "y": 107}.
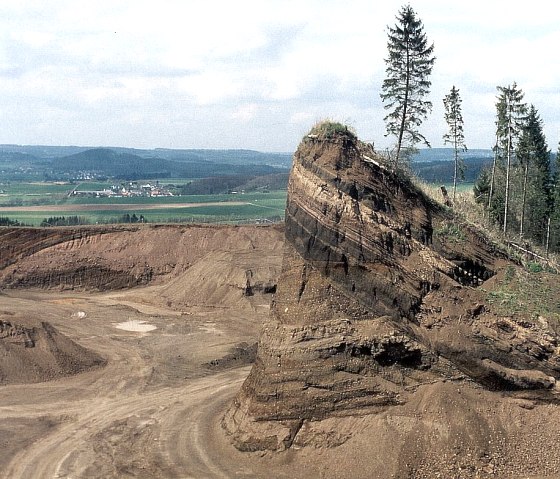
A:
{"x": 154, "y": 410}
{"x": 34, "y": 351}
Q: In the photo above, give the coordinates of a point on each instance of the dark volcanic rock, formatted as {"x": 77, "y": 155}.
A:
{"x": 378, "y": 295}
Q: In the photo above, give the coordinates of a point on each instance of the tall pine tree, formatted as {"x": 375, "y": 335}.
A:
{"x": 534, "y": 164}
{"x": 455, "y": 135}
{"x": 511, "y": 113}
{"x": 409, "y": 65}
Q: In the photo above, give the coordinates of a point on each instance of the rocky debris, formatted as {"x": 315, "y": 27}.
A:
{"x": 17, "y": 334}
{"x": 379, "y": 296}
{"x": 240, "y": 355}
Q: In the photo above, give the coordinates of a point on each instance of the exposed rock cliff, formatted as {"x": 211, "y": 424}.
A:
{"x": 381, "y": 291}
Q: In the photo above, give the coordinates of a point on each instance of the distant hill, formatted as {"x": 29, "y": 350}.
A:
{"x": 37, "y": 162}
{"x": 232, "y": 157}
{"x": 436, "y": 165}
{"x": 59, "y": 162}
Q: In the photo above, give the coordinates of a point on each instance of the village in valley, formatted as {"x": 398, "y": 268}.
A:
{"x": 126, "y": 189}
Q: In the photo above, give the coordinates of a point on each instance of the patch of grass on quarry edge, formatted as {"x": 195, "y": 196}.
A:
{"x": 527, "y": 292}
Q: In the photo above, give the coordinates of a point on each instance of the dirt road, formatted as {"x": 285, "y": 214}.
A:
{"x": 153, "y": 411}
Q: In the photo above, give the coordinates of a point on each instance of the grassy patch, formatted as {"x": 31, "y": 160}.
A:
{"x": 328, "y": 130}
{"x": 450, "y": 232}
{"x": 526, "y": 292}
{"x": 93, "y": 186}
{"x": 36, "y": 188}
{"x": 231, "y": 209}
{"x": 24, "y": 193}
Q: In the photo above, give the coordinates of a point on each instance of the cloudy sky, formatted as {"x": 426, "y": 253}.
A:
{"x": 256, "y": 74}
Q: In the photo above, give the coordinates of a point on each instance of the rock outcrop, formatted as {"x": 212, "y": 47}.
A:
{"x": 382, "y": 291}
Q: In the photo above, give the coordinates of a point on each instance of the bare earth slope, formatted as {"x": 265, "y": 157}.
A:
{"x": 174, "y": 347}
{"x": 115, "y": 258}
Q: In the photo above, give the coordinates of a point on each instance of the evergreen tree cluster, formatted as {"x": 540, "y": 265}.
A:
{"x": 131, "y": 218}
{"x": 520, "y": 193}
{"x": 6, "y": 221}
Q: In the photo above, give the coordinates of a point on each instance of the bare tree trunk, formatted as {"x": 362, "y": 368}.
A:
{"x": 506, "y": 200}
{"x": 491, "y": 193}
{"x": 405, "y": 108}
{"x": 456, "y": 167}
{"x": 547, "y": 236}
{"x": 526, "y": 174}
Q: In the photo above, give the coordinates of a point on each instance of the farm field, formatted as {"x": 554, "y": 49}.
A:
{"x": 31, "y": 203}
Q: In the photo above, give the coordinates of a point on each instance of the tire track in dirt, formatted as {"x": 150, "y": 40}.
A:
{"x": 183, "y": 416}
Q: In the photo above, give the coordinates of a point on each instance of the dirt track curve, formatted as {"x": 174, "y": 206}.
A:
{"x": 153, "y": 411}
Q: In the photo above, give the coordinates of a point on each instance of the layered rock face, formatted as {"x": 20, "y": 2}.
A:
{"x": 381, "y": 291}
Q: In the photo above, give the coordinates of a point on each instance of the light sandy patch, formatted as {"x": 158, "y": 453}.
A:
{"x": 136, "y": 325}
{"x": 210, "y": 328}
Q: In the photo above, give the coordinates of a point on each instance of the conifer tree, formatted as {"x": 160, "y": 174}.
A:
{"x": 409, "y": 65}
{"x": 455, "y": 136}
{"x": 555, "y": 213}
{"x": 511, "y": 114}
{"x": 534, "y": 162}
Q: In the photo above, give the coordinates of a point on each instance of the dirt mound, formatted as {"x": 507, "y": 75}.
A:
{"x": 34, "y": 351}
{"x": 226, "y": 279}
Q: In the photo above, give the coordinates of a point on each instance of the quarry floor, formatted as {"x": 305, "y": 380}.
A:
{"x": 154, "y": 409}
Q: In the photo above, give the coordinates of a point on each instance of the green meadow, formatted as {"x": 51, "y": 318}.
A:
{"x": 226, "y": 208}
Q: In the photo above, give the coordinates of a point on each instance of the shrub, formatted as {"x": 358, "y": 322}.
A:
{"x": 329, "y": 130}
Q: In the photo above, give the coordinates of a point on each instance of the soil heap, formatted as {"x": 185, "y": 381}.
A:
{"x": 34, "y": 351}
{"x": 383, "y": 293}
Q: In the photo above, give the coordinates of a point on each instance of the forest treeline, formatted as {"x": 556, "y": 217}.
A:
{"x": 520, "y": 190}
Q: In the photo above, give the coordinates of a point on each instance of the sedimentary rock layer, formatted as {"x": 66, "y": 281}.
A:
{"x": 379, "y": 293}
